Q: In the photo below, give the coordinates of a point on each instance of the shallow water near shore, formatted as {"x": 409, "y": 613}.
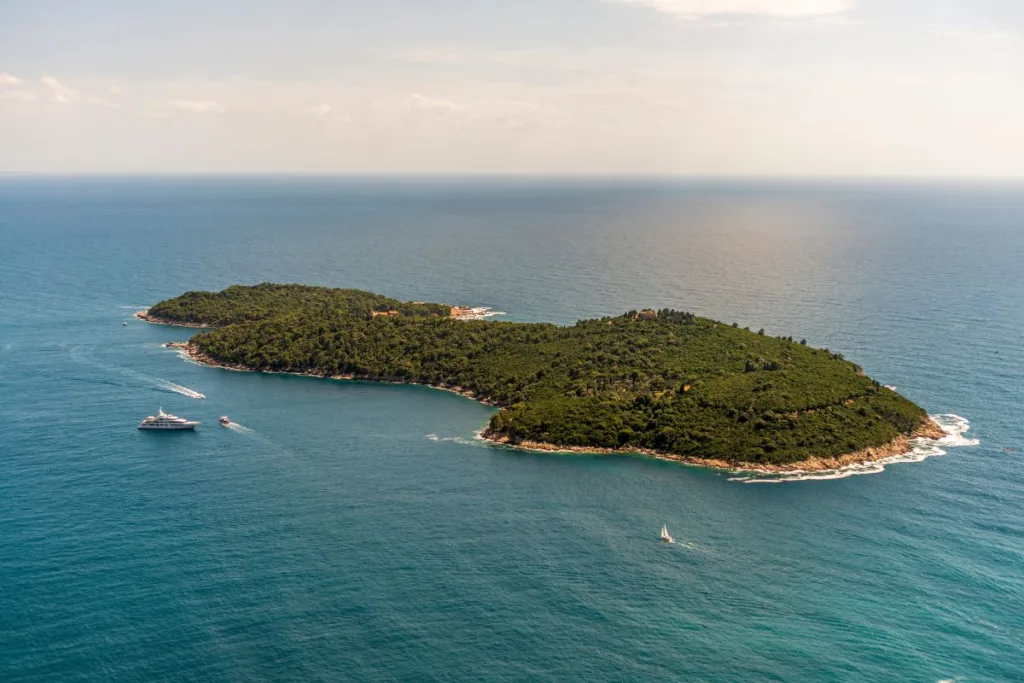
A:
{"x": 360, "y": 531}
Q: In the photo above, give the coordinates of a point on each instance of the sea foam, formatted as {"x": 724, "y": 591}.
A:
{"x": 954, "y": 426}
{"x": 476, "y": 441}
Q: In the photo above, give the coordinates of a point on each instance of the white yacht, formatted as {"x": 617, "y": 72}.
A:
{"x": 665, "y": 536}
{"x": 164, "y": 420}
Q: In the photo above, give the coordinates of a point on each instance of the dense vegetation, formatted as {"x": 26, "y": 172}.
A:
{"x": 669, "y": 381}
{"x": 238, "y": 304}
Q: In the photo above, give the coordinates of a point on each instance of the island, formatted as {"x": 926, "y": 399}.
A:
{"x": 663, "y": 383}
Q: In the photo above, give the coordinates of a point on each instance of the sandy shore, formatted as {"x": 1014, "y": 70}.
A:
{"x": 901, "y": 445}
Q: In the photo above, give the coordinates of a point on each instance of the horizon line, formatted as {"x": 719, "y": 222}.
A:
{"x": 499, "y": 175}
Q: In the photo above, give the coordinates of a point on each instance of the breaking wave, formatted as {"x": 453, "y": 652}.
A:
{"x": 476, "y": 441}
{"x": 183, "y": 354}
{"x": 478, "y": 312}
{"x": 953, "y": 425}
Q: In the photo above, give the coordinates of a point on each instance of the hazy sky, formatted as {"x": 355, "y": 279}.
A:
{"x": 710, "y": 87}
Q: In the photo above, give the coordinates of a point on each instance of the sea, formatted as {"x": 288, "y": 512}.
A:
{"x": 347, "y": 531}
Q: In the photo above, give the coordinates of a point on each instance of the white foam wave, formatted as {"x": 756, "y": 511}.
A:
{"x": 476, "y": 441}
{"x": 478, "y": 312}
{"x": 953, "y": 425}
{"x": 183, "y": 354}
{"x": 241, "y": 429}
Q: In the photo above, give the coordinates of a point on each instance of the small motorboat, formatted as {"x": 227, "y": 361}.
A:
{"x": 224, "y": 421}
{"x": 665, "y": 537}
{"x": 124, "y": 324}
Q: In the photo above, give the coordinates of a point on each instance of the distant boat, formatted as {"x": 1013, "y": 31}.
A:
{"x": 665, "y": 536}
{"x": 124, "y": 324}
{"x": 167, "y": 421}
{"x": 224, "y": 421}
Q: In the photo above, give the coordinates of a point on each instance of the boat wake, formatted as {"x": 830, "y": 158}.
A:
{"x": 178, "y": 389}
{"x": 953, "y": 425}
{"x": 241, "y": 429}
{"x": 78, "y": 355}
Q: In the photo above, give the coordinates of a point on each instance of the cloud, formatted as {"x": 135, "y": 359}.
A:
{"x": 508, "y": 113}
{"x": 433, "y": 104}
{"x": 976, "y": 36}
{"x": 772, "y": 8}
{"x": 320, "y": 110}
{"x": 100, "y": 102}
{"x": 8, "y": 79}
{"x": 433, "y": 55}
{"x": 58, "y": 91}
{"x": 19, "y": 95}
{"x": 198, "y": 106}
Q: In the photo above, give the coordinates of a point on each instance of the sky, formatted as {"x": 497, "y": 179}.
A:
{"x": 885, "y": 88}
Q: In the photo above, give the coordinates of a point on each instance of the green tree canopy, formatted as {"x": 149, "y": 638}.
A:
{"x": 665, "y": 380}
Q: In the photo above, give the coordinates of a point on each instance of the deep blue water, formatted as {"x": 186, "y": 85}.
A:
{"x": 358, "y": 532}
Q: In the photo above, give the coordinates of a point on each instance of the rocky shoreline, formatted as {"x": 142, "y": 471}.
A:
{"x": 198, "y": 356}
{"x": 901, "y": 445}
{"x": 144, "y": 315}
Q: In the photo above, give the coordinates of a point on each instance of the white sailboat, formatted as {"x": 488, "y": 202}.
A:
{"x": 665, "y": 537}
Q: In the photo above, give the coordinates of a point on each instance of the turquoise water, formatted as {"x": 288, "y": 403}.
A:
{"x": 351, "y": 531}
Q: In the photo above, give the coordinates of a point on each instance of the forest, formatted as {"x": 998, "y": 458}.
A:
{"x": 665, "y": 380}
